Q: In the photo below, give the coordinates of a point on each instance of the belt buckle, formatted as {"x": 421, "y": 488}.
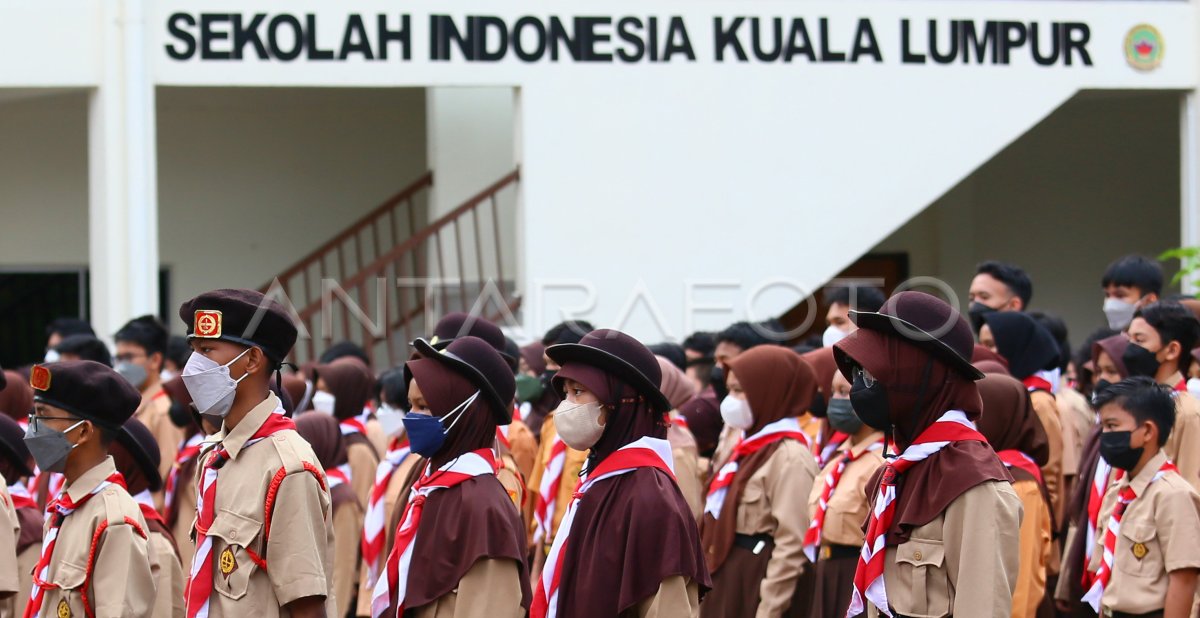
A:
{"x": 758, "y": 547}
{"x": 826, "y": 552}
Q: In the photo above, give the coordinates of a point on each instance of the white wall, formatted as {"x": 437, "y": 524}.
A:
{"x": 252, "y": 179}
{"x": 1098, "y": 179}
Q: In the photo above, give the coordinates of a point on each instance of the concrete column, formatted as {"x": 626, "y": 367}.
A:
{"x": 122, "y": 173}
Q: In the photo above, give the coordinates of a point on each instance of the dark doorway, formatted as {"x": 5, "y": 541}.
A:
{"x": 890, "y": 268}
{"x": 28, "y": 302}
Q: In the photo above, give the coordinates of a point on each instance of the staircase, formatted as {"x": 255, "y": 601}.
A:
{"x": 388, "y": 277}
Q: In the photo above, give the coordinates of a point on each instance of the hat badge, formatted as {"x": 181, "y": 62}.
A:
{"x": 39, "y": 378}
{"x": 207, "y": 324}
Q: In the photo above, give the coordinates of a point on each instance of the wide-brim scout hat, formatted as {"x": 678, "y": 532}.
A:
{"x": 923, "y": 320}
{"x": 86, "y": 389}
{"x": 459, "y": 324}
{"x": 617, "y": 354}
{"x": 137, "y": 439}
{"x": 482, "y": 366}
{"x": 242, "y": 316}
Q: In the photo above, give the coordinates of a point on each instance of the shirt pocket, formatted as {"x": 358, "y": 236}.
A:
{"x": 67, "y": 598}
{"x": 1138, "y": 552}
{"x": 235, "y": 559}
{"x": 923, "y": 589}
{"x": 753, "y": 509}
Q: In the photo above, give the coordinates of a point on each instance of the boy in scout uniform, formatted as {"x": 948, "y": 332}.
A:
{"x": 1145, "y": 563}
{"x": 264, "y": 520}
{"x": 95, "y": 556}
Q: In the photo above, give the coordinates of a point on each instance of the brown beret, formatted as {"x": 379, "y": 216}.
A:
{"x": 241, "y": 316}
{"x": 86, "y": 389}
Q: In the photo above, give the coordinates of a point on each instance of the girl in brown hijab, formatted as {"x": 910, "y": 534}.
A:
{"x": 459, "y": 549}
{"x": 343, "y": 389}
{"x": 627, "y": 545}
{"x": 1014, "y": 431}
{"x": 756, "y": 513}
{"x": 329, "y": 445}
{"x": 942, "y": 537}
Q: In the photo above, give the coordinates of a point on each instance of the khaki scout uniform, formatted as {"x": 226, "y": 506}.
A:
{"x": 1159, "y": 533}
{"x": 391, "y": 497}
{"x": 1183, "y": 445}
{"x": 848, "y": 506}
{"x": 118, "y": 578}
{"x": 363, "y": 460}
{"x": 1046, "y": 408}
{"x": 10, "y": 579}
{"x": 485, "y": 589}
{"x": 169, "y": 577}
{"x": 963, "y": 563}
{"x": 296, "y": 552}
{"x": 572, "y": 464}
{"x": 154, "y": 413}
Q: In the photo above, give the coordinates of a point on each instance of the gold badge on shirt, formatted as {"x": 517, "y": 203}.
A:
{"x": 228, "y": 562}
{"x": 64, "y": 610}
{"x": 1139, "y": 550}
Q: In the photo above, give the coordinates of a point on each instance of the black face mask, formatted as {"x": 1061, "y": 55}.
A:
{"x": 718, "y": 382}
{"x": 180, "y": 415}
{"x": 870, "y": 402}
{"x": 547, "y": 379}
{"x": 1139, "y": 361}
{"x": 976, "y": 312}
{"x": 1115, "y": 449}
{"x": 818, "y": 406}
{"x": 1101, "y": 384}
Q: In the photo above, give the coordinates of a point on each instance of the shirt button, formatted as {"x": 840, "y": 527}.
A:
{"x": 916, "y": 555}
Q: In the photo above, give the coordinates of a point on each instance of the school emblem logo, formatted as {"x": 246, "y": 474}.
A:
{"x": 64, "y": 610}
{"x": 1139, "y": 550}
{"x": 228, "y": 562}
{"x": 1144, "y": 47}
{"x": 207, "y": 324}
{"x": 39, "y": 378}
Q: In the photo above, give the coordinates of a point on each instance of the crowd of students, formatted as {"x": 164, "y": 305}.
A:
{"x": 911, "y": 462}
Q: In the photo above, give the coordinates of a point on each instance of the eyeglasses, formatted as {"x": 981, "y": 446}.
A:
{"x": 867, "y": 379}
{"x": 37, "y": 420}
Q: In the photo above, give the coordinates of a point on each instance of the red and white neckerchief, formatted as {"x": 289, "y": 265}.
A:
{"x": 1096, "y": 490}
{"x": 187, "y": 452}
{"x": 464, "y": 468}
{"x": 58, "y": 510}
{"x": 547, "y": 496}
{"x": 502, "y": 436}
{"x": 1127, "y": 495}
{"x": 54, "y": 484}
{"x": 1046, "y": 380}
{"x": 355, "y": 424}
{"x": 200, "y": 580}
{"x": 338, "y": 476}
{"x": 782, "y": 429}
{"x": 1181, "y": 387}
{"x": 825, "y": 452}
{"x": 812, "y": 538}
{"x": 953, "y": 426}
{"x": 145, "y": 502}
{"x": 375, "y": 518}
{"x": 644, "y": 453}
{"x": 1013, "y": 458}
{"x": 21, "y": 498}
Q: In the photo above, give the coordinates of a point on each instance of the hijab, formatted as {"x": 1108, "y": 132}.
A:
{"x": 322, "y": 433}
{"x": 1026, "y": 345}
{"x": 678, "y": 388}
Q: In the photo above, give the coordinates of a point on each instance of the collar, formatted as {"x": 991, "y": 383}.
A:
{"x": 234, "y": 441}
{"x": 864, "y": 445}
{"x": 1142, "y": 480}
{"x": 91, "y": 479}
{"x": 1174, "y": 379}
{"x": 154, "y": 392}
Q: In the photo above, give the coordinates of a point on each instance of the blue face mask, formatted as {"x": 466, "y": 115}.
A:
{"x": 427, "y": 434}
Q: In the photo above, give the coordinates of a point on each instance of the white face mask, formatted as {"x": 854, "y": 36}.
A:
{"x": 52, "y": 356}
{"x": 1193, "y": 386}
{"x": 166, "y": 375}
{"x": 323, "y": 402}
{"x": 391, "y": 420}
{"x": 832, "y": 335}
{"x": 209, "y": 384}
{"x": 578, "y": 424}
{"x": 1119, "y": 313}
{"x": 736, "y": 412}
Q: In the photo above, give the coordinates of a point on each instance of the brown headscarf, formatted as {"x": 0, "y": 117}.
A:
{"x": 1009, "y": 422}
{"x": 16, "y": 398}
{"x": 1114, "y": 347}
{"x": 678, "y": 388}
{"x": 991, "y": 366}
{"x": 644, "y": 509}
{"x": 350, "y": 382}
{"x": 1074, "y": 555}
{"x": 980, "y": 353}
{"x": 533, "y": 354}
{"x": 322, "y": 433}
{"x": 471, "y": 521}
{"x": 921, "y": 388}
{"x": 778, "y": 385}
{"x": 822, "y": 362}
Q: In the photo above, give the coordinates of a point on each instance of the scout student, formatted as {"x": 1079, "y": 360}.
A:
{"x": 460, "y": 547}
{"x": 756, "y": 507}
{"x": 179, "y": 490}
{"x": 136, "y": 456}
{"x": 1145, "y": 563}
{"x": 1161, "y": 337}
{"x": 95, "y": 554}
{"x": 344, "y": 387}
{"x": 943, "y": 533}
{"x": 249, "y": 559}
{"x": 628, "y": 544}
{"x": 838, "y": 504}
{"x": 20, "y": 521}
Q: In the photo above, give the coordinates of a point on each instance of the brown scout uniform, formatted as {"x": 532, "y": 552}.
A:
{"x": 154, "y": 413}
{"x": 1159, "y": 533}
{"x": 1183, "y": 445}
{"x": 118, "y": 579}
{"x": 298, "y": 562}
{"x": 848, "y": 506}
{"x": 963, "y": 563}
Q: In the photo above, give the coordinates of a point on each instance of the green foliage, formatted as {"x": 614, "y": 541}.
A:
{"x": 1189, "y": 264}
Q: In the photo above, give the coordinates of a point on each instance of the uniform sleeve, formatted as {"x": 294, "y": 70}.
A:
{"x": 363, "y": 462}
{"x": 687, "y": 474}
{"x": 788, "y": 487}
{"x": 10, "y": 529}
{"x": 168, "y": 578}
{"x": 676, "y": 598}
{"x": 122, "y": 582}
{"x": 1052, "y": 472}
{"x": 982, "y": 540}
{"x": 347, "y": 528}
{"x": 1035, "y": 550}
{"x": 1185, "y": 435}
{"x": 492, "y": 587}
{"x": 297, "y": 550}
{"x": 1178, "y": 526}
{"x": 522, "y": 446}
